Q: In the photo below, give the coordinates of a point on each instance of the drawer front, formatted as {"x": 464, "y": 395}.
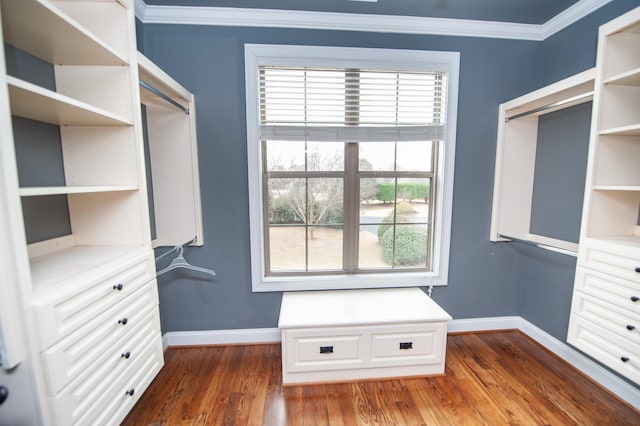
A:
{"x": 104, "y": 389}
{"x": 76, "y": 353}
{"x": 323, "y": 349}
{"x": 61, "y": 317}
{"x": 414, "y": 345}
{"x": 615, "y": 320}
{"x": 622, "y": 293}
{"x": 612, "y": 260}
{"x": 616, "y": 352}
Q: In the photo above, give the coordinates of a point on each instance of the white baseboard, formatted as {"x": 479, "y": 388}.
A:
{"x": 221, "y": 337}
{"x": 597, "y": 373}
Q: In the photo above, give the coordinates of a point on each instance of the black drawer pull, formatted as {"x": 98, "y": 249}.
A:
{"x": 637, "y": 269}
{"x": 130, "y": 392}
{"x": 4, "y": 394}
{"x": 631, "y": 327}
{"x": 624, "y": 359}
{"x": 326, "y": 349}
{"x": 635, "y": 298}
{"x": 125, "y": 355}
{"x": 123, "y": 321}
{"x": 118, "y": 287}
{"x": 406, "y": 345}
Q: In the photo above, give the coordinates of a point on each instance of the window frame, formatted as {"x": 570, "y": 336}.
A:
{"x": 350, "y": 57}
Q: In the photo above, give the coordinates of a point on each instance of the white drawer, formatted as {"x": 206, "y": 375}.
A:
{"x": 76, "y": 353}
{"x": 103, "y": 391}
{"x": 613, "y": 319}
{"x": 622, "y": 293}
{"x": 409, "y": 345}
{"x": 618, "y": 260}
{"x": 323, "y": 349}
{"x": 614, "y": 351}
{"x": 58, "y": 318}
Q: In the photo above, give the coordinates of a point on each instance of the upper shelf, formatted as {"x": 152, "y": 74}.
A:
{"x": 37, "y": 103}
{"x": 46, "y": 32}
{"x": 628, "y": 78}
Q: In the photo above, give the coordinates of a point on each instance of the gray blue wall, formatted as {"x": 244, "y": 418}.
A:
{"x": 485, "y": 280}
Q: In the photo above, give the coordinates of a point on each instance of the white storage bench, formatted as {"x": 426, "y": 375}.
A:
{"x": 330, "y": 336}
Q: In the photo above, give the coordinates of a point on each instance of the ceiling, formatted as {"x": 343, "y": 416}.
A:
{"x": 518, "y": 11}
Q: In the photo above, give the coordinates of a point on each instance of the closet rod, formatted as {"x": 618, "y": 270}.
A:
{"x": 586, "y": 96}
{"x": 163, "y": 96}
{"x": 542, "y": 246}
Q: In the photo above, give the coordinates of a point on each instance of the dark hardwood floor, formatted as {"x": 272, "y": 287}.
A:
{"x": 491, "y": 379}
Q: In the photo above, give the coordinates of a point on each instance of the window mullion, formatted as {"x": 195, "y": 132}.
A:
{"x": 351, "y": 208}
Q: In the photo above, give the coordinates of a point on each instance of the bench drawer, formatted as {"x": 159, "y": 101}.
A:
{"x": 406, "y": 345}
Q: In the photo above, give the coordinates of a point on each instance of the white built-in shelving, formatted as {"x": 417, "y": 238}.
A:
{"x": 99, "y": 279}
{"x": 605, "y": 311}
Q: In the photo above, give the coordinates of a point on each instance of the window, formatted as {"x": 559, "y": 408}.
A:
{"x": 350, "y": 166}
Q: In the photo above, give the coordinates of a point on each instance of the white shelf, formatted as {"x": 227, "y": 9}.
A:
{"x": 76, "y": 263}
{"x": 629, "y": 78}
{"x": 46, "y": 32}
{"x": 59, "y": 190}
{"x": 630, "y": 188}
{"x": 37, "y": 103}
{"x": 631, "y": 130}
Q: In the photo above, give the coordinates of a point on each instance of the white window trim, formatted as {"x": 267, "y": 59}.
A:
{"x": 392, "y": 59}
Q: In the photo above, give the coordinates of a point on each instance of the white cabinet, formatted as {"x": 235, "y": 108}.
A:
{"x": 87, "y": 299}
{"x": 605, "y": 311}
{"x": 357, "y": 334}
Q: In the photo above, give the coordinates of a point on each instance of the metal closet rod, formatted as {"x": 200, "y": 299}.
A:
{"x": 542, "y": 246}
{"x": 163, "y": 96}
{"x": 551, "y": 105}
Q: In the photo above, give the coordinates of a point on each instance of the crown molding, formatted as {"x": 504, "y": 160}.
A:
{"x": 271, "y": 18}
{"x": 570, "y": 15}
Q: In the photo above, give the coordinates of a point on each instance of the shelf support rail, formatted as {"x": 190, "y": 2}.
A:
{"x": 163, "y": 96}
{"x": 585, "y": 97}
{"x": 539, "y": 245}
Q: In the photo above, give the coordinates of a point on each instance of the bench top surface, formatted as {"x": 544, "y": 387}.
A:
{"x": 358, "y": 307}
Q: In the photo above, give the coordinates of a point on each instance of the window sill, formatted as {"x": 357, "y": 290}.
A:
{"x": 344, "y": 282}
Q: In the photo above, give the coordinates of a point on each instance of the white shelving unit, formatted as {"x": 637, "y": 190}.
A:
{"x": 516, "y": 155}
{"x": 98, "y": 282}
{"x": 605, "y": 313}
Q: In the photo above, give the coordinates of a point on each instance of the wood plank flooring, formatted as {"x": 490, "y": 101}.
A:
{"x": 491, "y": 379}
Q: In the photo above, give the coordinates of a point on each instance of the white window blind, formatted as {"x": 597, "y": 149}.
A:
{"x": 351, "y": 104}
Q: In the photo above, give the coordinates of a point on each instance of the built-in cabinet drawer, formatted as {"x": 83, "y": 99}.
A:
{"x": 59, "y": 316}
{"x": 619, "y": 260}
{"x": 613, "y": 350}
{"x": 622, "y": 322}
{"x": 105, "y": 335}
{"x": 622, "y": 293}
{"x": 109, "y": 390}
